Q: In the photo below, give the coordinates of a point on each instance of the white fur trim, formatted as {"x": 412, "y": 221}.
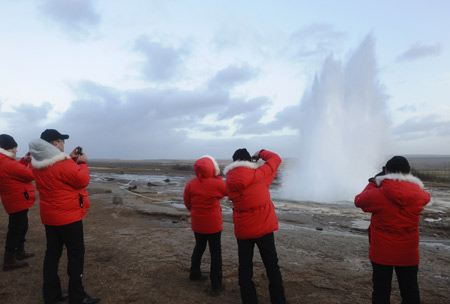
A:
{"x": 45, "y": 154}
{"x": 50, "y": 161}
{"x": 240, "y": 163}
{"x": 7, "y": 153}
{"x": 216, "y": 165}
{"x": 400, "y": 177}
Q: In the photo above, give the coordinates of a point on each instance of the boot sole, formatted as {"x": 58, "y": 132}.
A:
{"x": 8, "y": 268}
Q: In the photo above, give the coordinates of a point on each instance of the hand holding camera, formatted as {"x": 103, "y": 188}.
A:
{"x": 255, "y": 157}
{"x": 27, "y": 157}
{"x": 79, "y": 155}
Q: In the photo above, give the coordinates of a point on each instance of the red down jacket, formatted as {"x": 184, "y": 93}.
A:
{"x": 202, "y": 195}
{"x": 395, "y": 202}
{"x": 61, "y": 184}
{"x": 248, "y": 188}
{"x": 16, "y": 187}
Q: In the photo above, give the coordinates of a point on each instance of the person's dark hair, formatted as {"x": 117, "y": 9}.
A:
{"x": 398, "y": 164}
{"x": 7, "y": 142}
{"x": 241, "y": 154}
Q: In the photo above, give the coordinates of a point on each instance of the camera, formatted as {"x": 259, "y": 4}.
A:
{"x": 254, "y": 159}
{"x": 79, "y": 151}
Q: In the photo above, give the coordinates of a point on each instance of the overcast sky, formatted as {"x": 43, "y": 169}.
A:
{"x": 180, "y": 79}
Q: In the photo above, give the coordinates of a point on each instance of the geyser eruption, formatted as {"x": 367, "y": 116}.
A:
{"x": 343, "y": 130}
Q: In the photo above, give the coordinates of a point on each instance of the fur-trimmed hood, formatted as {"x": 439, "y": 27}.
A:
{"x": 240, "y": 163}
{"x": 45, "y": 154}
{"x": 206, "y": 166}
{"x": 400, "y": 177}
{"x": 402, "y": 189}
{"x": 7, "y": 153}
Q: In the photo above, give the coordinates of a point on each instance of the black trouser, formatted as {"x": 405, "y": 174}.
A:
{"x": 268, "y": 252}
{"x": 17, "y": 229}
{"x": 407, "y": 282}
{"x": 70, "y": 235}
{"x": 215, "y": 250}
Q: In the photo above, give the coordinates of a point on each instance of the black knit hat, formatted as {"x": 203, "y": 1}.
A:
{"x": 241, "y": 154}
{"x": 7, "y": 142}
{"x": 398, "y": 164}
{"x": 50, "y": 135}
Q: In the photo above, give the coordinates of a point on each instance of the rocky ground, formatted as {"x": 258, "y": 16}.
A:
{"x": 139, "y": 242}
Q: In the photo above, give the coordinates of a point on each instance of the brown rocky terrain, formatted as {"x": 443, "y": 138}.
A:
{"x": 139, "y": 242}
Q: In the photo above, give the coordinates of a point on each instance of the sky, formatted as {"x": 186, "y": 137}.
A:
{"x": 173, "y": 79}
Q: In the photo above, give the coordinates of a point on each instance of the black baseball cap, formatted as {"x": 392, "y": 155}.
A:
{"x": 50, "y": 135}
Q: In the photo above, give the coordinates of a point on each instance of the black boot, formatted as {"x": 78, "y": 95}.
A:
{"x": 21, "y": 254}
{"x": 90, "y": 300}
{"x": 11, "y": 263}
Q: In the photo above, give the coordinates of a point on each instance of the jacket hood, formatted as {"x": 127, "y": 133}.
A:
{"x": 240, "y": 163}
{"x": 45, "y": 154}
{"x": 403, "y": 189}
{"x": 7, "y": 153}
{"x": 206, "y": 167}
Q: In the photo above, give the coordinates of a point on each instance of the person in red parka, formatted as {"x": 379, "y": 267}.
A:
{"x": 395, "y": 198}
{"x": 61, "y": 181}
{"x": 254, "y": 219}
{"x": 18, "y": 195}
{"x": 202, "y": 196}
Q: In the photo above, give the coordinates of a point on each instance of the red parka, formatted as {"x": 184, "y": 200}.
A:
{"x": 16, "y": 183}
{"x": 395, "y": 201}
{"x": 202, "y": 195}
{"x": 61, "y": 184}
{"x": 248, "y": 188}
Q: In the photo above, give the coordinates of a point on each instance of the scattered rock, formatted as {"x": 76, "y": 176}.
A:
{"x": 108, "y": 191}
{"x": 117, "y": 200}
{"x": 167, "y": 180}
{"x": 133, "y": 187}
{"x": 319, "y": 228}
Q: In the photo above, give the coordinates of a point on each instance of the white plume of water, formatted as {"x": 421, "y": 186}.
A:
{"x": 343, "y": 131}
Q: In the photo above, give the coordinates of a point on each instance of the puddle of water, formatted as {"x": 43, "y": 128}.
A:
{"x": 360, "y": 224}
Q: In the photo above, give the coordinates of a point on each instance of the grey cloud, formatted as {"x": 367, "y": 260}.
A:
{"x": 25, "y": 123}
{"x": 418, "y": 51}
{"x": 251, "y": 125}
{"x": 210, "y": 128}
{"x": 316, "y": 39}
{"x": 420, "y": 127}
{"x": 231, "y": 76}
{"x": 288, "y": 118}
{"x": 407, "y": 108}
{"x": 162, "y": 62}
{"x": 146, "y": 122}
{"x": 78, "y": 17}
{"x": 238, "y": 107}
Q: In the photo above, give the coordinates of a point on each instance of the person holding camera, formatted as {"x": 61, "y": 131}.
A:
{"x": 395, "y": 198}
{"x": 255, "y": 220}
{"x": 18, "y": 195}
{"x": 201, "y": 197}
{"x": 61, "y": 181}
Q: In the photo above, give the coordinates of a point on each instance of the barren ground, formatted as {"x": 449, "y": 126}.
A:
{"x": 138, "y": 249}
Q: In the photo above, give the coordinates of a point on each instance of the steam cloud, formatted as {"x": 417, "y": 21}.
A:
{"x": 344, "y": 128}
